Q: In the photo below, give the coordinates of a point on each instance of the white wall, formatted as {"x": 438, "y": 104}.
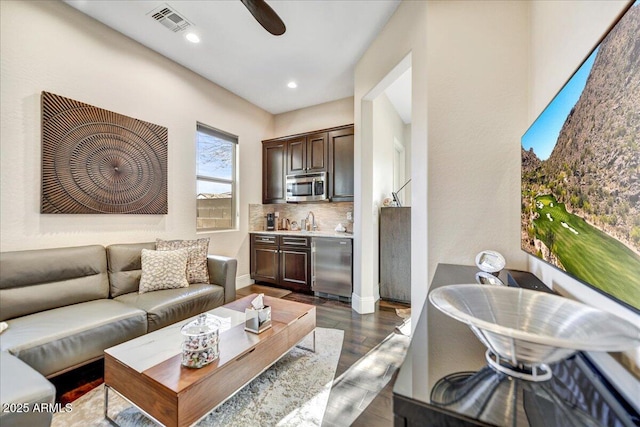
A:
{"x": 316, "y": 117}
{"x": 469, "y": 64}
{"x": 51, "y": 46}
{"x": 563, "y": 33}
{"x": 404, "y": 34}
{"x": 387, "y": 126}
{"x": 478, "y": 64}
{"x": 406, "y": 193}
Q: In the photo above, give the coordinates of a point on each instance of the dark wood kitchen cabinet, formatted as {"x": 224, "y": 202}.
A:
{"x": 295, "y": 263}
{"x": 264, "y": 258}
{"x": 274, "y": 167}
{"x": 284, "y": 261}
{"x": 341, "y": 182}
{"x": 306, "y": 154}
{"x": 327, "y": 150}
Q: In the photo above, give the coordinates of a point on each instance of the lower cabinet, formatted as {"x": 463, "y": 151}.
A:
{"x": 284, "y": 261}
{"x": 295, "y": 269}
{"x": 264, "y": 258}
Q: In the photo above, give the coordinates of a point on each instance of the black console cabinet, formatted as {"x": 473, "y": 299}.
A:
{"x": 445, "y": 380}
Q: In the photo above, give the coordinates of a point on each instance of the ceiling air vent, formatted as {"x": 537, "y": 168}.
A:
{"x": 169, "y": 18}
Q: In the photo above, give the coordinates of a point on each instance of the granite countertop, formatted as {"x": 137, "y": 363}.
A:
{"x": 322, "y": 233}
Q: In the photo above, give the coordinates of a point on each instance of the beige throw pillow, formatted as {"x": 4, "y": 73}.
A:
{"x": 163, "y": 270}
{"x": 197, "y": 271}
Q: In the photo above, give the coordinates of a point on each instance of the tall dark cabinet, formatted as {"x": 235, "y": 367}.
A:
{"x": 395, "y": 254}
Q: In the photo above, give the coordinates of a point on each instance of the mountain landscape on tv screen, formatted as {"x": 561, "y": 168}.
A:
{"x": 581, "y": 205}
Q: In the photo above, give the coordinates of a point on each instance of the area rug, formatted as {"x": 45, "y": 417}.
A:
{"x": 293, "y": 392}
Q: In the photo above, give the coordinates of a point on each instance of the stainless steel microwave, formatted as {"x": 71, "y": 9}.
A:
{"x": 310, "y": 187}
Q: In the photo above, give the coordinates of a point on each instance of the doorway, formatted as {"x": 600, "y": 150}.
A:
{"x": 389, "y": 106}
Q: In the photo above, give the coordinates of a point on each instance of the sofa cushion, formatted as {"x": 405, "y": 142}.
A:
{"x": 37, "y": 280}
{"x": 172, "y": 305}
{"x": 54, "y": 340}
{"x": 197, "y": 271}
{"x": 125, "y": 266}
{"x": 24, "y": 387}
{"x": 163, "y": 270}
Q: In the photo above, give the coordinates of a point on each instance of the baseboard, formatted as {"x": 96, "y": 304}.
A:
{"x": 363, "y": 305}
{"x": 244, "y": 281}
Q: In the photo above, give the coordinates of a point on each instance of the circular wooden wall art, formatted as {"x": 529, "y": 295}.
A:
{"x": 98, "y": 161}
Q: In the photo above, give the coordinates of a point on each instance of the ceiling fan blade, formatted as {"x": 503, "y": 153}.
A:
{"x": 265, "y": 16}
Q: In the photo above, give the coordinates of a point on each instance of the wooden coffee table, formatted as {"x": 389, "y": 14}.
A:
{"x": 147, "y": 370}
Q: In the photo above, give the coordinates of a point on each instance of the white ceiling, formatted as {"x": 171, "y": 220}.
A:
{"x": 319, "y": 50}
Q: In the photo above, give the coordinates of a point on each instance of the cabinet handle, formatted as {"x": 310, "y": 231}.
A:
{"x": 293, "y": 243}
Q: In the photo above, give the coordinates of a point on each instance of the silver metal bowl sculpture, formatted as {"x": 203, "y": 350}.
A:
{"x": 530, "y": 329}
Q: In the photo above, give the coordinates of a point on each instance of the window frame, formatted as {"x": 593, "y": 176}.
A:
{"x": 202, "y": 128}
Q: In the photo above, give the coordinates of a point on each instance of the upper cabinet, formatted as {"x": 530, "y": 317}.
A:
{"x": 341, "y": 187}
{"x": 328, "y": 150}
{"x": 307, "y": 154}
{"x": 274, "y": 171}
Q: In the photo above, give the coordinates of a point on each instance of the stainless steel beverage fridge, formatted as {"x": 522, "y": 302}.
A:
{"x": 332, "y": 262}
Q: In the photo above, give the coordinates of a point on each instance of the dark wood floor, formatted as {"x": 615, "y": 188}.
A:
{"x": 361, "y": 334}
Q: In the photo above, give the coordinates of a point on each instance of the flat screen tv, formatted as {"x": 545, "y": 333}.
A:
{"x": 580, "y": 208}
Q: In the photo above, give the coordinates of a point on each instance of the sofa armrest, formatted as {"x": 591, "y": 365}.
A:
{"x": 222, "y": 271}
{"x": 23, "y": 386}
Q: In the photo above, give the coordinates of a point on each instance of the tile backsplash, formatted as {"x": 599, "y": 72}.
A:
{"x": 328, "y": 215}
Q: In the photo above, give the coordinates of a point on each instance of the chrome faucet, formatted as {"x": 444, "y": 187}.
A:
{"x": 314, "y": 226}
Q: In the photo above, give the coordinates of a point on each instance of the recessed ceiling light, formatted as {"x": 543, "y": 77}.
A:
{"x": 292, "y": 85}
{"x": 193, "y": 38}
